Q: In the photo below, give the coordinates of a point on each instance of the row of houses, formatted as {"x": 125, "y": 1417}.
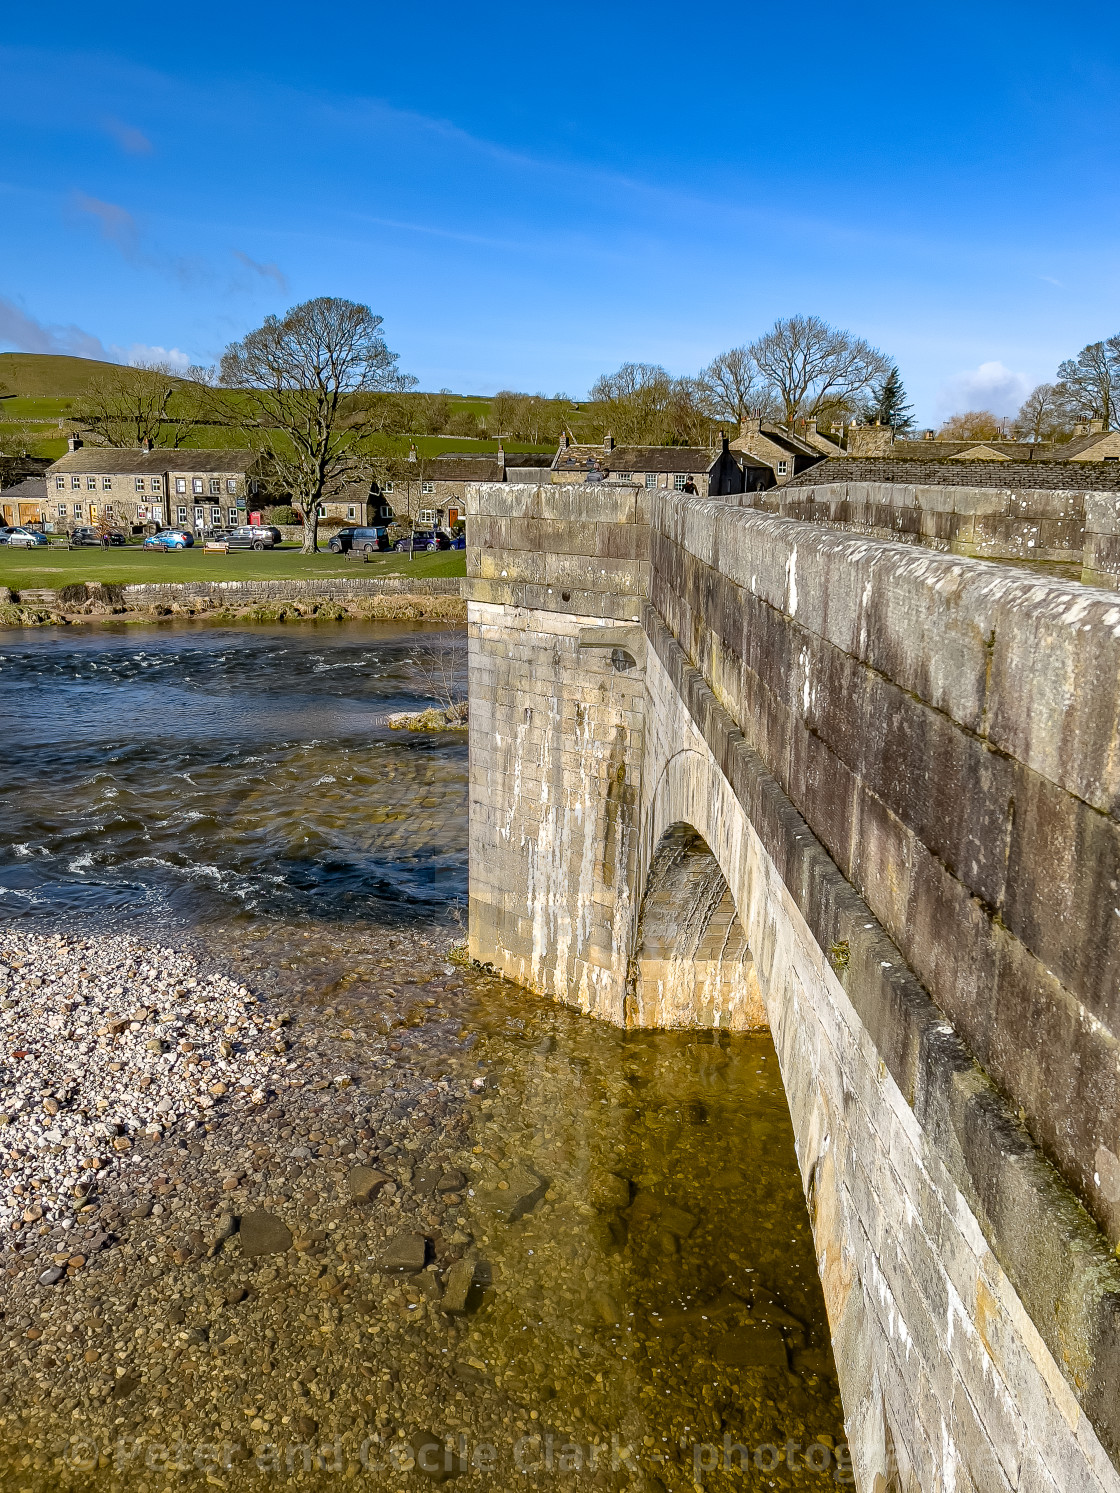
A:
{"x": 206, "y": 489}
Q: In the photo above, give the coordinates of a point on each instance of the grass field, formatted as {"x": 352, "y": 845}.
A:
{"x": 134, "y": 566}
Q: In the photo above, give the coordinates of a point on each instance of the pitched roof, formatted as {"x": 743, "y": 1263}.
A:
{"x": 658, "y": 459}
{"x": 1082, "y": 443}
{"x": 113, "y": 461}
{"x": 463, "y": 469}
{"x": 980, "y": 452}
{"x": 634, "y": 458}
{"x": 30, "y": 490}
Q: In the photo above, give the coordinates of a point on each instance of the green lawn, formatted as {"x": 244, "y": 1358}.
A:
{"x": 132, "y": 565}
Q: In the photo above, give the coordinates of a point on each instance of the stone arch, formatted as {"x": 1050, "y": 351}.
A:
{"x": 692, "y": 964}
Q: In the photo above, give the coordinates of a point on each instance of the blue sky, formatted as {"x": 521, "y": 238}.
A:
{"x": 530, "y": 197}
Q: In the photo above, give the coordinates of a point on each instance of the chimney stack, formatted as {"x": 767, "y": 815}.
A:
{"x": 74, "y": 442}
{"x": 501, "y": 462}
{"x": 608, "y": 443}
{"x": 1096, "y": 427}
{"x": 750, "y": 425}
{"x": 145, "y": 445}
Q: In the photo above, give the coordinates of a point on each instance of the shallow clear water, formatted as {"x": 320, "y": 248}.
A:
{"x": 656, "y": 1285}
{"x": 181, "y": 774}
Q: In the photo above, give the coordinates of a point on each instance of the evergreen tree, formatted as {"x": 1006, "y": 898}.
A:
{"x": 886, "y": 404}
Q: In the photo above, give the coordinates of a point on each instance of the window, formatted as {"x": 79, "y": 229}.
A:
{"x": 182, "y": 514}
{"x": 679, "y": 480}
{"x": 623, "y": 476}
{"x": 78, "y": 511}
{"x": 76, "y": 483}
{"x": 389, "y": 487}
{"x": 196, "y": 485}
{"x": 231, "y": 485}
{"x": 651, "y": 479}
{"x": 322, "y": 511}
{"x": 106, "y": 484}
{"x": 91, "y": 484}
{"x": 1110, "y": 458}
{"x": 216, "y": 517}
{"x": 233, "y": 518}
{"x": 180, "y": 485}
{"x": 139, "y": 484}
{"x": 352, "y": 511}
{"x": 215, "y": 487}
{"x": 782, "y": 468}
{"x": 425, "y": 516}
{"x": 427, "y": 487}
{"x": 62, "y": 510}
{"x": 157, "y": 484}
{"x": 60, "y": 482}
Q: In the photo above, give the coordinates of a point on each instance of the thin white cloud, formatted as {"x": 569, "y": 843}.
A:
{"x": 143, "y": 352}
{"x": 117, "y": 225}
{"x": 989, "y": 387}
{"x": 130, "y": 139}
{"x": 266, "y": 271}
{"x": 20, "y": 332}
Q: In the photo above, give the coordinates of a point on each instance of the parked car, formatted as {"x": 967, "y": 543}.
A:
{"x": 86, "y": 535}
{"x": 21, "y": 537}
{"x": 251, "y": 537}
{"x": 359, "y": 541}
{"x": 424, "y": 539}
{"x": 169, "y": 539}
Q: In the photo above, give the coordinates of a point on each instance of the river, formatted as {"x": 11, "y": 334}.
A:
{"x": 643, "y": 1307}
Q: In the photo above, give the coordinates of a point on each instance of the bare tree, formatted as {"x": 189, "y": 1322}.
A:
{"x": 1044, "y": 415}
{"x": 1090, "y": 383}
{"x": 810, "y": 367}
{"x": 300, "y": 378}
{"x": 635, "y": 403}
{"x": 732, "y": 387}
{"x": 441, "y": 662}
{"x": 127, "y": 406}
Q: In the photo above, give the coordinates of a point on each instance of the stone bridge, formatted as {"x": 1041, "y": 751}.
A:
{"x": 730, "y": 769}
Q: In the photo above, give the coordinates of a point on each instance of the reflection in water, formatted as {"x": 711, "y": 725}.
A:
{"x": 620, "y": 1288}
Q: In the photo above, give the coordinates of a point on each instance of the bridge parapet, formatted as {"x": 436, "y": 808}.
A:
{"x": 903, "y": 766}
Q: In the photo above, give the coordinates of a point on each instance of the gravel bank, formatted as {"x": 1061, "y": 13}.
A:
{"x": 444, "y": 1209}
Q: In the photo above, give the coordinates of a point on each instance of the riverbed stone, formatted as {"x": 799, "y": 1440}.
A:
{"x": 406, "y": 1253}
{"x": 365, "y": 1182}
{"x": 263, "y": 1233}
{"x": 460, "y": 1279}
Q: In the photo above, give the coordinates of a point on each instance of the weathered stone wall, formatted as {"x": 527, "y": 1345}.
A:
{"x": 1101, "y": 565}
{"x": 1055, "y": 475}
{"x": 988, "y": 522}
{"x": 252, "y": 593}
{"x": 555, "y": 578}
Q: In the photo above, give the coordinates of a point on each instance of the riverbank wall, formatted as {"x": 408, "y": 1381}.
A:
{"x": 388, "y": 598}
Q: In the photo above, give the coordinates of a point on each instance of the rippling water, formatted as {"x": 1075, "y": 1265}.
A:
{"x": 186, "y": 774}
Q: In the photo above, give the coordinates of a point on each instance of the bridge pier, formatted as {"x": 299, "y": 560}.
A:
{"x": 686, "y": 710}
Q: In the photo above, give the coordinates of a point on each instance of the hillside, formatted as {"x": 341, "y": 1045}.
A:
{"x": 44, "y": 374}
{"x": 41, "y": 400}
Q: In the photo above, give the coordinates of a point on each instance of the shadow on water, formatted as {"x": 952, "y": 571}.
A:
{"x": 622, "y": 1290}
